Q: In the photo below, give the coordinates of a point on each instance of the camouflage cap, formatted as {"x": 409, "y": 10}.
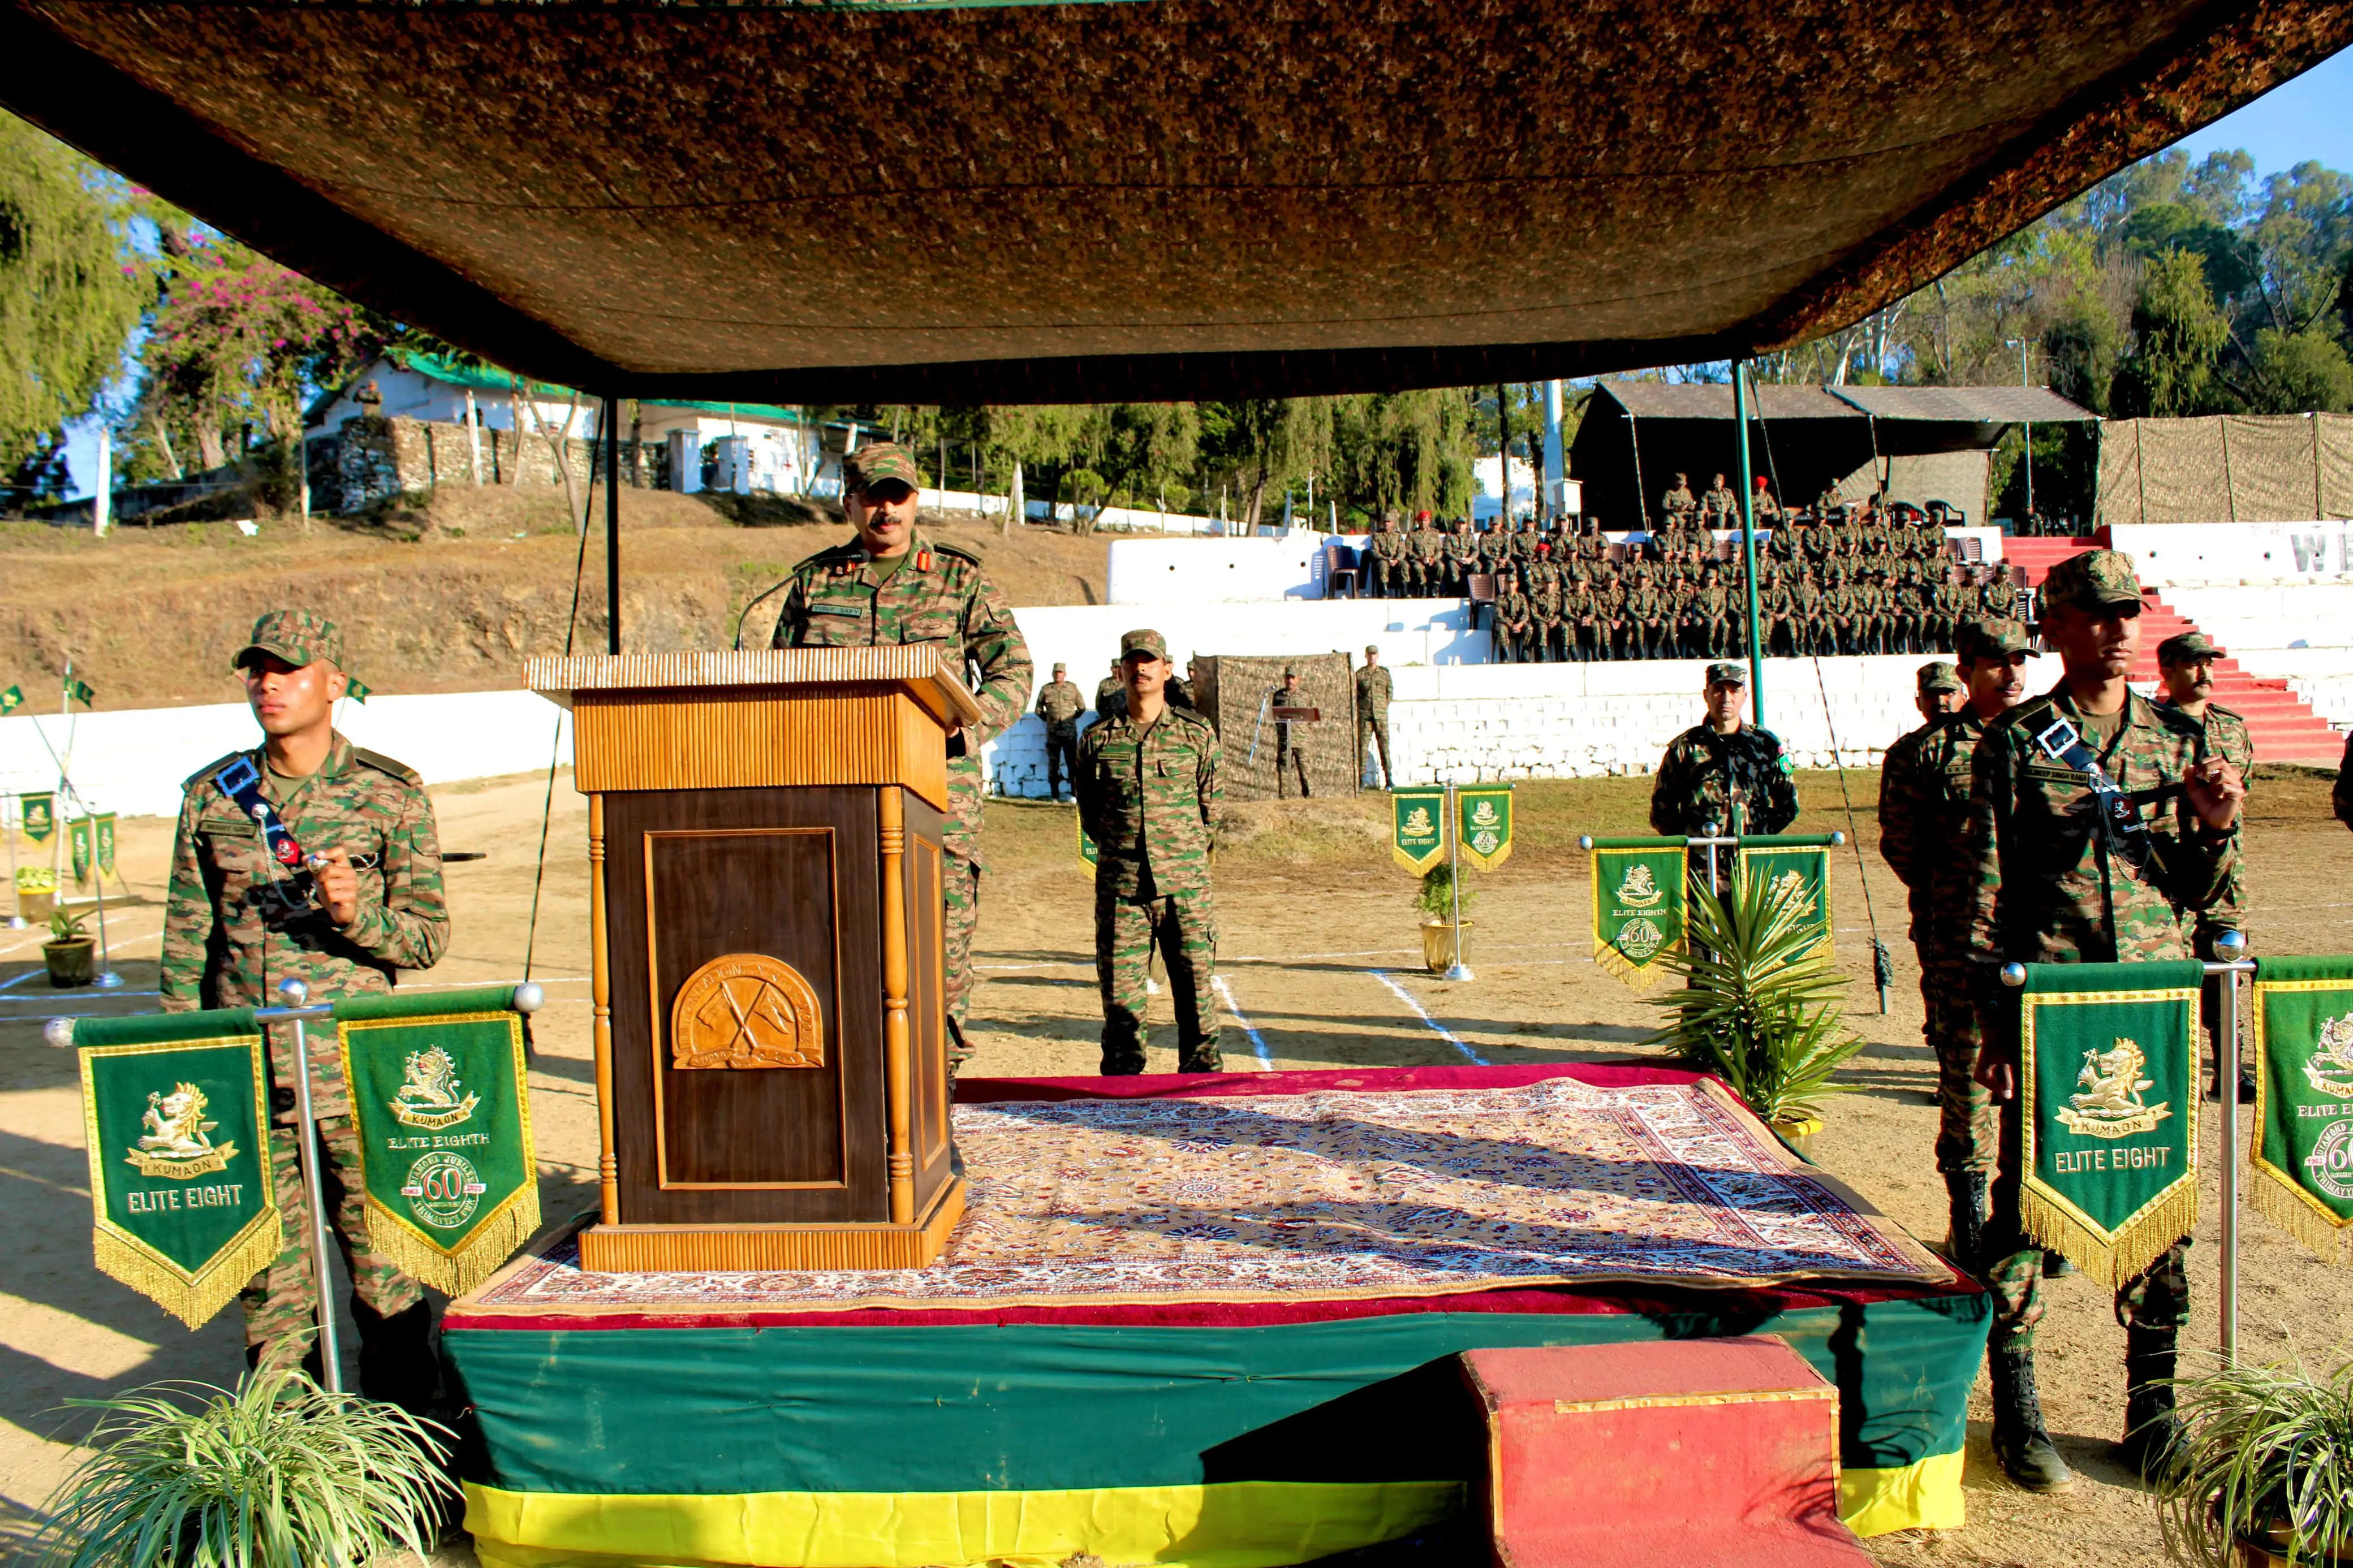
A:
{"x": 2188, "y": 645}
{"x": 1938, "y": 676}
{"x": 298, "y": 637}
{"x": 2095, "y": 580}
{"x": 880, "y": 460}
{"x": 1060, "y": 666}
{"x": 1723, "y": 672}
{"x": 1373, "y": 649}
{"x": 1144, "y": 640}
{"x": 1983, "y": 638}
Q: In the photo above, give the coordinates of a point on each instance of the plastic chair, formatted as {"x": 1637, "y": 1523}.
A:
{"x": 1480, "y": 589}
{"x": 1340, "y": 570}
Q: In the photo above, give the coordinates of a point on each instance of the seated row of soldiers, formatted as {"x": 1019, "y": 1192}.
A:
{"x": 1691, "y": 609}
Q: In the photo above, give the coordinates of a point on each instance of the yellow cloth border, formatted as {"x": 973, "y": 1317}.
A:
{"x": 1231, "y": 1525}
{"x": 2279, "y": 1195}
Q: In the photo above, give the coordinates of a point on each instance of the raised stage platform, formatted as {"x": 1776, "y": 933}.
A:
{"x": 1203, "y": 1320}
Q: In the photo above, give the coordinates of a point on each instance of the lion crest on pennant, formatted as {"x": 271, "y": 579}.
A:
{"x": 2329, "y": 1068}
{"x": 1638, "y": 888}
{"x": 176, "y": 1139}
{"x": 1418, "y": 823}
{"x": 430, "y": 1095}
{"x": 2108, "y": 1100}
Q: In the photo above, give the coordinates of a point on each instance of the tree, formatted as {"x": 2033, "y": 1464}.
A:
{"x": 2170, "y": 225}
{"x": 2179, "y": 335}
{"x": 70, "y": 291}
{"x": 2300, "y": 372}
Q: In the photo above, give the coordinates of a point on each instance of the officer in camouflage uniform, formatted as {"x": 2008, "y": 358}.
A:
{"x": 1290, "y": 758}
{"x": 2052, "y": 878}
{"x": 1924, "y": 807}
{"x": 1515, "y": 624}
{"x": 1148, "y": 796}
{"x": 1109, "y": 696}
{"x": 2185, "y": 666}
{"x": 1719, "y": 763}
{"x": 1374, "y": 691}
{"x": 891, "y": 585}
{"x": 1385, "y": 559}
{"x": 1060, "y": 703}
{"x": 1428, "y": 560}
{"x": 237, "y": 923}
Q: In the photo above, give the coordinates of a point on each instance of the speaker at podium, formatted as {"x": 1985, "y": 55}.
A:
{"x": 767, "y": 954}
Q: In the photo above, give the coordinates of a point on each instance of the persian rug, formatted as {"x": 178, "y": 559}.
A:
{"x": 1331, "y": 1194}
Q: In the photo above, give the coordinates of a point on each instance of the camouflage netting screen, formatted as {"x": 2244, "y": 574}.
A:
{"x": 1156, "y": 199}
{"x": 2231, "y": 467}
{"x": 1236, "y": 694}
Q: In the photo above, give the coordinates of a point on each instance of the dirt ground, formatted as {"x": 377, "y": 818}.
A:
{"x": 1321, "y": 956}
{"x": 450, "y": 596}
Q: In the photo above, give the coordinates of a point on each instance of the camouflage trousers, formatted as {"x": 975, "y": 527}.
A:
{"x": 960, "y": 901}
{"x": 1184, "y": 926}
{"x": 1375, "y": 730}
{"x": 1289, "y": 762}
{"x": 2157, "y": 1298}
{"x": 281, "y": 1318}
{"x": 1062, "y": 758}
{"x": 1966, "y": 1136}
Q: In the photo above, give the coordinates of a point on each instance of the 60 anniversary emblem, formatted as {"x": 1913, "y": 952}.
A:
{"x": 443, "y": 1189}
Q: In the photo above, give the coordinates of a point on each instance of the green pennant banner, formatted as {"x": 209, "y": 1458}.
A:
{"x": 1804, "y": 871}
{"x": 80, "y": 691}
{"x": 1088, "y": 855}
{"x": 2303, "y": 1151}
{"x": 104, "y": 825}
{"x": 175, "y": 1116}
{"x": 39, "y": 815}
{"x": 2108, "y": 1064}
{"x": 81, "y": 842}
{"x": 1638, "y": 910}
{"x": 441, "y": 1102}
{"x": 1417, "y": 828}
{"x": 12, "y": 699}
{"x": 1483, "y": 824}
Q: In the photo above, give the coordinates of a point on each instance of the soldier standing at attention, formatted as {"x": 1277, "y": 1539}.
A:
{"x": 1148, "y": 796}
{"x": 891, "y": 585}
{"x": 1288, "y": 758}
{"x": 1924, "y": 808}
{"x": 361, "y": 898}
{"x": 1374, "y": 689}
{"x": 1720, "y": 764}
{"x": 1060, "y": 703}
{"x": 2186, "y": 668}
{"x": 1109, "y": 696}
{"x": 2053, "y": 877}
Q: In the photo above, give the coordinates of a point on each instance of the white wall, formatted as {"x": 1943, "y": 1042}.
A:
{"x": 133, "y": 761}
{"x": 2213, "y": 554}
{"x": 1187, "y": 572}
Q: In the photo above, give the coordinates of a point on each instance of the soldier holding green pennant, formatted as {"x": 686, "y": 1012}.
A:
{"x": 438, "y": 1088}
{"x": 1483, "y": 824}
{"x": 2302, "y": 1154}
{"x": 176, "y": 1118}
{"x": 1638, "y": 910}
{"x": 2098, "y": 823}
{"x": 1417, "y": 828}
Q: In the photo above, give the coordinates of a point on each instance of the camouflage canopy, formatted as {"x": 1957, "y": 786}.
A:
{"x": 1140, "y": 199}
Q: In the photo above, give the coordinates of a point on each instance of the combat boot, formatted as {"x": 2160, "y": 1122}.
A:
{"x": 2021, "y": 1445}
{"x": 2151, "y": 1427}
{"x": 1964, "y": 1240}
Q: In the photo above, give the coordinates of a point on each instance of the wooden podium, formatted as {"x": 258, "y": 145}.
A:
{"x": 770, "y": 1023}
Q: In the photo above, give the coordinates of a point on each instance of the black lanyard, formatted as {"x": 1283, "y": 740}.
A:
{"x": 241, "y": 781}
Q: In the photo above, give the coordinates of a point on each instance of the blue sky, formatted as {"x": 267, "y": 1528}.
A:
{"x": 2308, "y": 117}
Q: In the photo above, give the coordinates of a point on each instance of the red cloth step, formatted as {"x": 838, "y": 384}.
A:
{"x": 1701, "y": 1453}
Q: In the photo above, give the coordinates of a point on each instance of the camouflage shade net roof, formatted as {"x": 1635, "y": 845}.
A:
{"x": 1138, "y": 199}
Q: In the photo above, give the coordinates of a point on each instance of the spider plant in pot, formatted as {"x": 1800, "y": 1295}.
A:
{"x": 276, "y": 1473}
{"x": 1442, "y": 934}
{"x": 72, "y": 954}
{"x": 2262, "y": 1474}
{"x": 1758, "y": 1008}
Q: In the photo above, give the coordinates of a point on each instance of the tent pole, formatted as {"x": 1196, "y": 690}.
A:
{"x": 612, "y": 528}
{"x": 1748, "y": 538}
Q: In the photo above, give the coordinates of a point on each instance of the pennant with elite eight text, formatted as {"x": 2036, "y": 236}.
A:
{"x": 2109, "y": 1155}
{"x": 1088, "y": 854}
{"x": 1801, "y": 873}
{"x": 2303, "y": 1151}
{"x": 1638, "y": 910}
{"x": 1482, "y": 824}
{"x": 441, "y": 1102}
{"x": 176, "y": 1114}
{"x": 1417, "y": 828}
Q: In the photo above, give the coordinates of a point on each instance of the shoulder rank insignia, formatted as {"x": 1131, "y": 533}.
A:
{"x": 923, "y": 559}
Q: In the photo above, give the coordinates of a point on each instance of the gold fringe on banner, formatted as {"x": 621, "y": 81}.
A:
{"x": 1636, "y": 977}
{"x": 191, "y": 1298}
{"x": 487, "y": 1247}
{"x": 2287, "y": 1206}
{"x": 2117, "y": 1260}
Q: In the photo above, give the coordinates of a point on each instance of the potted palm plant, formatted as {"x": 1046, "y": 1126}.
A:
{"x": 1758, "y": 1008}
{"x": 1442, "y": 942}
{"x": 71, "y": 952}
{"x": 2262, "y": 1475}
{"x": 277, "y": 1471}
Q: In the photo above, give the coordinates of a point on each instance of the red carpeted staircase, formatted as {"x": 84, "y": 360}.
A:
{"x": 2283, "y": 726}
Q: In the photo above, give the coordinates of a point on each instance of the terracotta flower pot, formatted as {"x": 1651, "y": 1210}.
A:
{"x": 2271, "y": 1552}
{"x": 1444, "y": 945}
{"x": 73, "y": 962}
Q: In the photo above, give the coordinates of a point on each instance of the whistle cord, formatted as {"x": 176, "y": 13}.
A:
{"x": 1882, "y": 962}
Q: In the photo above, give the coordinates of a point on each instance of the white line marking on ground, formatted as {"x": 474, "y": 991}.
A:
{"x": 1444, "y": 1032}
{"x": 1258, "y": 1041}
